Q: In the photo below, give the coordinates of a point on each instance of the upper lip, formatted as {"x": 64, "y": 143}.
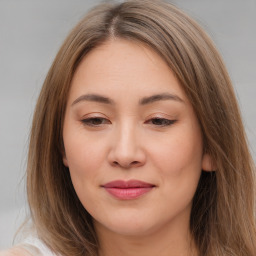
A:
{"x": 128, "y": 184}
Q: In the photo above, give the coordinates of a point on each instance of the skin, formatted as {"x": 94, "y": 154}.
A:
{"x": 122, "y": 137}
{"x": 15, "y": 252}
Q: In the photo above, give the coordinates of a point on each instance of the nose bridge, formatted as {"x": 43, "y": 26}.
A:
{"x": 126, "y": 139}
{"x": 126, "y": 150}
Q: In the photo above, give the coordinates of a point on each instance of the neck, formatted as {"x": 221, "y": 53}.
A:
{"x": 168, "y": 242}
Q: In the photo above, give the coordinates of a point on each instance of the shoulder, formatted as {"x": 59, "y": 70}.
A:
{"x": 16, "y": 251}
{"x": 31, "y": 246}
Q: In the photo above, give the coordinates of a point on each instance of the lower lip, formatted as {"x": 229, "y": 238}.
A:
{"x": 128, "y": 193}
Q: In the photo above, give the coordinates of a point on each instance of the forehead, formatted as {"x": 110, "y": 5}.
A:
{"x": 119, "y": 65}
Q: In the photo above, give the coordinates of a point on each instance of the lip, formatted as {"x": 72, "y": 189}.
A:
{"x": 128, "y": 190}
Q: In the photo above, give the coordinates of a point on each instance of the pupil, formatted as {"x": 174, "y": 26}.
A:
{"x": 96, "y": 121}
{"x": 157, "y": 121}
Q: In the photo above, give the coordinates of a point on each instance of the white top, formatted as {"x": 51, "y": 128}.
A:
{"x": 36, "y": 247}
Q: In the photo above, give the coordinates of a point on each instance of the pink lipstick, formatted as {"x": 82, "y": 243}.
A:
{"x": 128, "y": 190}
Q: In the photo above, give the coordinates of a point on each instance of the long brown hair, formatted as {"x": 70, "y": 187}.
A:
{"x": 222, "y": 217}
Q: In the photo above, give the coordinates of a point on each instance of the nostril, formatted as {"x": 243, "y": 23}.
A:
{"x": 126, "y": 165}
{"x": 115, "y": 163}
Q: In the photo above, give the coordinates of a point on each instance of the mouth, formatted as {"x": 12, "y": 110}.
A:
{"x": 127, "y": 190}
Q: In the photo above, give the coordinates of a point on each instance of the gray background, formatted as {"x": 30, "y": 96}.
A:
{"x": 31, "y": 31}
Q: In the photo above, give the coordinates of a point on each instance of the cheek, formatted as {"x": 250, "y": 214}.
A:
{"x": 84, "y": 160}
{"x": 179, "y": 166}
{"x": 180, "y": 155}
{"x": 84, "y": 156}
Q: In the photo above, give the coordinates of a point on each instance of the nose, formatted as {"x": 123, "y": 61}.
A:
{"x": 127, "y": 150}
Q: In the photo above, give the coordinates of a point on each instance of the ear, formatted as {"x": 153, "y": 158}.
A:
{"x": 207, "y": 163}
{"x": 64, "y": 159}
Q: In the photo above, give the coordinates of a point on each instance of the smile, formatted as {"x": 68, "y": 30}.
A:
{"x": 128, "y": 190}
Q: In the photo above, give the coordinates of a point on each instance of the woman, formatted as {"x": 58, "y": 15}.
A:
{"x": 137, "y": 145}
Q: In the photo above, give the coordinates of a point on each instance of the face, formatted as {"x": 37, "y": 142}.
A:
{"x": 132, "y": 141}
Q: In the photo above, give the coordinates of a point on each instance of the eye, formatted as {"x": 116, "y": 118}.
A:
{"x": 95, "y": 121}
{"x": 160, "y": 121}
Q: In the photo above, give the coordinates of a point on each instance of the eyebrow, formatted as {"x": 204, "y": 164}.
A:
{"x": 160, "y": 97}
{"x": 93, "y": 97}
{"x": 143, "y": 101}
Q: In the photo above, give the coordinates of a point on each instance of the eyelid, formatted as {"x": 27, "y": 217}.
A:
{"x": 166, "y": 120}
{"x": 94, "y": 115}
{"x": 89, "y": 118}
{"x": 161, "y": 116}
{"x": 90, "y": 122}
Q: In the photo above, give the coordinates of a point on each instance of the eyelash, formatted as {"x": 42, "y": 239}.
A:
{"x": 163, "y": 122}
{"x": 91, "y": 121}
{"x": 98, "y": 121}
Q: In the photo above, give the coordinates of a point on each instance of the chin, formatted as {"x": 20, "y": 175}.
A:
{"x": 130, "y": 229}
{"x": 128, "y": 225}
